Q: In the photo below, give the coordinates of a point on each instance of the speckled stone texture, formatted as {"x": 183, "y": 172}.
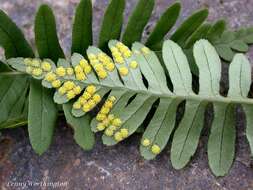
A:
{"x": 67, "y": 166}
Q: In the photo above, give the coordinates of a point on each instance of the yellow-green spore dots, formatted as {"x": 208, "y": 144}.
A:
{"x": 101, "y": 127}
{"x": 133, "y": 64}
{"x": 123, "y": 71}
{"x": 102, "y": 74}
{"x": 86, "y": 107}
{"x": 77, "y": 90}
{"x": 69, "y": 85}
{"x": 145, "y": 142}
{"x": 155, "y": 149}
{"x": 27, "y": 61}
{"x": 46, "y": 66}
{"x": 124, "y": 132}
{"x": 81, "y": 76}
{"x": 91, "y": 89}
{"x": 117, "y": 122}
{"x": 118, "y": 137}
{"x": 37, "y": 72}
{"x": 71, "y": 94}
{"x": 60, "y": 71}
{"x": 56, "y": 83}
{"x": 109, "y": 132}
{"x": 145, "y": 50}
{"x": 100, "y": 117}
{"x": 96, "y": 98}
{"x": 77, "y": 105}
{"x": 110, "y": 66}
{"x": 35, "y": 63}
{"x": 85, "y": 66}
{"x": 70, "y": 71}
{"x": 62, "y": 90}
{"x": 112, "y": 99}
{"x": 50, "y": 77}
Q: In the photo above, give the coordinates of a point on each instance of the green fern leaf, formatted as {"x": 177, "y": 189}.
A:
{"x": 45, "y": 34}
{"x": 138, "y": 21}
{"x": 164, "y": 25}
{"x": 190, "y": 25}
{"x": 112, "y": 23}
{"x": 82, "y": 27}
{"x": 42, "y": 117}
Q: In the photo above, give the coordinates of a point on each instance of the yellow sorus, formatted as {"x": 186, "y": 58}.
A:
{"x": 133, "y": 64}
{"x": 29, "y": 70}
{"x": 50, "y": 77}
{"x": 108, "y": 132}
{"x": 110, "y": 66}
{"x": 83, "y": 62}
{"x": 78, "y": 69}
{"x": 145, "y": 50}
{"x": 35, "y": 63}
{"x": 110, "y": 117}
{"x": 112, "y": 98}
{"x": 77, "y": 105}
{"x": 61, "y": 71}
{"x": 102, "y": 56}
{"x": 27, "y": 61}
{"x": 56, "y": 83}
{"x": 146, "y": 142}
{"x": 102, "y": 74}
{"x": 81, "y": 76}
{"x": 71, "y": 94}
{"x": 117, "y": 122}
{"x": 86, "y": 107}
{"x": 104, "y": 110}
{"x": 96, "y": 98}
{"x": 124, "y": 133}
{"x": 86, "y": 95}
{"x": 62, "y": 90}
{"x": 91, "y": 103}
{"x": 37, "y": 72}
{"x": 77, "y": 90}
{"x": 87, "y": 69}
{"x": 106, "y": 122}
{"x": 119, "y": 45}
{"x": 116, "y": 54}
{"x": 118, "y": 137}
{"x": 69, "y": 85}
{"x": 155, "y": 149}
{"x": 98, "y": 67}
{"x": 108, "y": 104}
{"x": 112, "y": 127}
{"x": 101, "y": 127}
{"x": 127, "y": 53}
{"x": 92, "y": 56}
{"x": 70, "y": 71}
{"x": 114, "y": 49}
{"x": 82, "y": 100}
{"x": 119, "y": 60}
{"x": 91, "y": 89}
{"x": 46, "y": 66}
{"x": 123, "y": 71}
{"x": 100, "y": 117}
{"x": 94, "y": 62}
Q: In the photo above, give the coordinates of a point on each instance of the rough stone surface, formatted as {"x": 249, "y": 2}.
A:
{"x": 121, "y": 166}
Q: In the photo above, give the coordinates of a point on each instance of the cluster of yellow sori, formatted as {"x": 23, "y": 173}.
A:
{"x": 88, "y": 100}
{"x": 101, "y": 63}
{"x": 70, "y": 89}
{"x": 119, "y": 53}
{"x": 155, "y": 149}
{"x": 82, "y": 70}
{"x": 109, "y": 122}
{"x": 37, "y": 67}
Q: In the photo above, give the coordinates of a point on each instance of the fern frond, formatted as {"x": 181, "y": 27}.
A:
{"x": 128, "y": 100}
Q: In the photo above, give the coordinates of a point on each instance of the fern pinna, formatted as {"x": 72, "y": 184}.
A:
{"x": 82, "y": 84}
{"x": 127, "y": 88}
